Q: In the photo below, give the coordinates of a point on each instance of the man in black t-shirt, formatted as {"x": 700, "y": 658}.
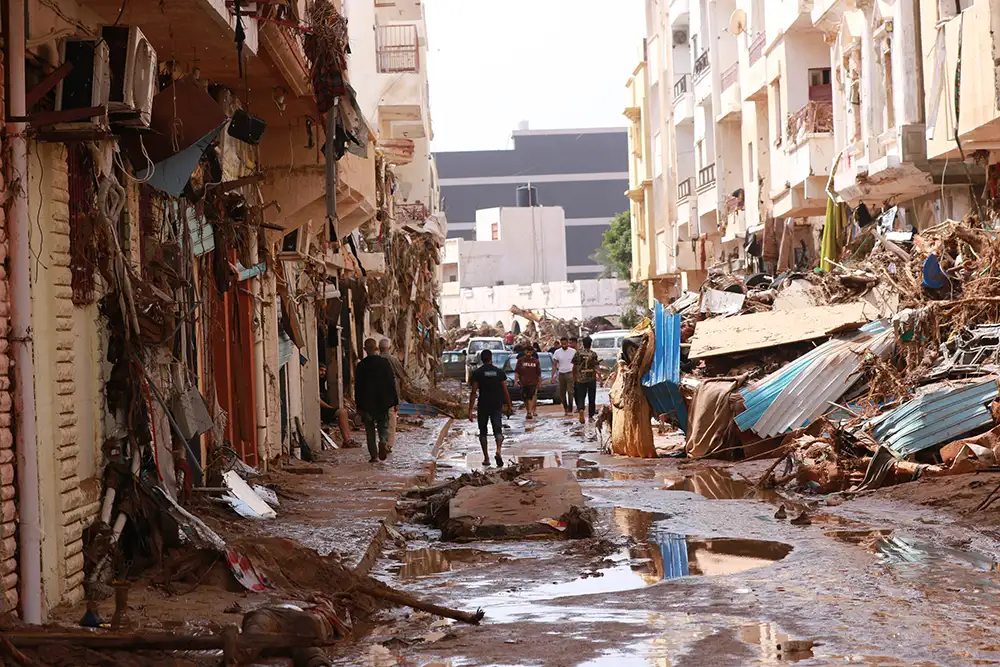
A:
{"x": 490, "y": 383}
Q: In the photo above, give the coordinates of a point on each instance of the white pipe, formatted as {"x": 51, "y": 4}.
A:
{"x": 256, "y": 298}
{"x": 30, "y": 529}
{"x": 109, "y": 501}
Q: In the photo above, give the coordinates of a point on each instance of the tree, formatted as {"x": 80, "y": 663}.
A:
{"x": 615, "y": 253}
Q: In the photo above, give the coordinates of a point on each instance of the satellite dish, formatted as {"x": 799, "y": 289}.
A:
{"x": 738, "y": 22}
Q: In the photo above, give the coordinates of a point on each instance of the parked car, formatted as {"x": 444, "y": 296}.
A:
{"x": 547, "y": 390}
{"x": 472, "y": 350}
{"x": 608, "y": 345}
{"x": 453, "y": 364}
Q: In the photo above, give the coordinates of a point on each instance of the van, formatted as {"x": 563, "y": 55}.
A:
{"x": 608, "y": 345}
{"x": 472, "y": 350}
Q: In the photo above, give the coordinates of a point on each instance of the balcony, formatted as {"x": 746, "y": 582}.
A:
{"x": 413, "y": 213}
{"x": 731, "y": 76}
{"x": 682, "y": 86}
{"x": 701, "y": 66}
{"x": 814, "y": 118}
{"x": 397, "y": 48}
{"x": 683, "y": 101}
{"x": 757, "y": 47}
{"x": 730, "y": 100}
{"x": 684, "y": 189}
{"x": 706, "y": 177}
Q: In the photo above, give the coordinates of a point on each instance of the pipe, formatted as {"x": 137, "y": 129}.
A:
{"x": 30, "y": 530}
{"x": 260, "y": 403}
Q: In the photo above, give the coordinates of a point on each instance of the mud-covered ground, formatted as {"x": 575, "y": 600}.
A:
{"x": 691, "y": 567}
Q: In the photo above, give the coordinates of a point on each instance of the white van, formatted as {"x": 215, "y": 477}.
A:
{"x": 608, "y": 345}
{"x": 472, "y": 350}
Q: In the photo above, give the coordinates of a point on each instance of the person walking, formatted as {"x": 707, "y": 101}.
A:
{"x": 528, "y": 375}
{"x": 385, "y": 350}
{"x": 375, "y": 395}
{"x": 562, "y": 373}
{"x": 489, "y": 383}
{"x": 585, "y": 365}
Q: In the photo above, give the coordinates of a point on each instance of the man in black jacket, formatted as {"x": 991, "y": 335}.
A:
{"x": 375, "y": 395}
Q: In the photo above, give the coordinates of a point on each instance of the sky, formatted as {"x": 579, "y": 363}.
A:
{"x": 556, "y": 63}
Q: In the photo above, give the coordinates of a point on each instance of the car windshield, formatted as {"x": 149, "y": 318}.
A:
{"x": 477, "y": 346}
{"x": 604, "y": 343}
{"x": 500, "y": 358}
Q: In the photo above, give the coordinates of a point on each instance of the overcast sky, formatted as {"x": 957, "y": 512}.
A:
{"x": 555, "y": 63}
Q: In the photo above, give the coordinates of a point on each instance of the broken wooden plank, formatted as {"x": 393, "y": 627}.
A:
{"x": 48, "y": 83}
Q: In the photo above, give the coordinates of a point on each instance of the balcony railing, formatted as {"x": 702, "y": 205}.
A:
{"x": 684, "y": 189}
{"x": 731, "y": 76}
{"x": 757, "y": 47}
{"x": 814, "y": 117}
{"x": 682, "y": 85}
{"x": 706, "y": 176}
{"x": 701, "y": 65}
{"x": 397, "y": 48}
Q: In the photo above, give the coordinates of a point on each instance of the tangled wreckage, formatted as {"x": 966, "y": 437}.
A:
{"x": 879, "y": 370}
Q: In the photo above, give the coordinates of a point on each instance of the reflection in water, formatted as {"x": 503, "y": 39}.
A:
{"x": 773, "y": 644}
{"x": 665, "y": 555}
{"x": 716, "y": 484}
{"x": 898, "y": 549}
{"x": 423, "y": 562}
{"x": 536, "y": 461}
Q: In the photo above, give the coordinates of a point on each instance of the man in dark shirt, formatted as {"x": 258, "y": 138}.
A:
{"x": 528, "y": 374}
{"x": 490, "y": 383}
{"x": 375, "y": 395}
{"x": 585, "y": 378}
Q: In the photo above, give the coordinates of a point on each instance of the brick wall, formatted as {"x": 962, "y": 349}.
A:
{"x": 8, "y": 508}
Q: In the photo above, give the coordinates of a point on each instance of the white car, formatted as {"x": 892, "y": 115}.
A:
{"x": 472, "y": 350}
{"x": 608, "y": 345}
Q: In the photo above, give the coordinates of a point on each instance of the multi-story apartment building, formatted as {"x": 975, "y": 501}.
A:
{"x": 773, "y": 108}
{"x": 581, "y": 170}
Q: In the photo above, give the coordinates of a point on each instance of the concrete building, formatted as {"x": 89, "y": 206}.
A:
{"x": 583, "y": 171}
{"x": 518, "y": 258}
{"x": 789, "y": 103}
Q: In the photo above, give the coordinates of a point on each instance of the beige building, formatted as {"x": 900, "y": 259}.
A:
{"x": 772, "y": 108}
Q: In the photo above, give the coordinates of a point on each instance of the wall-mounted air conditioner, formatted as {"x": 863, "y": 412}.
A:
{"x": 88, "y": 84}
{"x": 295, "y": 244}
{"x": 132, "y": 61}
{"x": 680, "y": 37}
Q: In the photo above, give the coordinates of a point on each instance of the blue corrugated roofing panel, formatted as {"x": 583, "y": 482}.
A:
{"x": 662, "y": 381}
{"x": 935, "y": 418}
{"x": 758, "y": 399}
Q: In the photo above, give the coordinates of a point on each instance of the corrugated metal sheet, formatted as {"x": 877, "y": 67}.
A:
{"x": 810, "y": 393}
{"x": 662, "y": 382}
{"x": 758, "y": 399}
{"x": 935, "y": 418}
{"x": 202, "y": 233}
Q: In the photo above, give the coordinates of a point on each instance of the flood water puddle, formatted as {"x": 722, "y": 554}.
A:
{"x": 716, "y": 484}
{"x": 427, "y": 561}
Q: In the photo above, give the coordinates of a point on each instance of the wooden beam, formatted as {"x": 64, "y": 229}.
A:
{"x": 47, "y": 84}
{"x": 53, "y": 117}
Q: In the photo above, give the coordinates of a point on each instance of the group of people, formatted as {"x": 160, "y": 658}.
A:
{"x": 574, "y": 369}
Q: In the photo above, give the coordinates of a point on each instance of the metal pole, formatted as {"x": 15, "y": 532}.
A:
{"x": 30, "y": 533}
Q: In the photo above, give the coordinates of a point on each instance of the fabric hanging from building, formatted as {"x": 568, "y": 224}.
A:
{"x": 286, "y": 349}
{"x": 833, "y": 233}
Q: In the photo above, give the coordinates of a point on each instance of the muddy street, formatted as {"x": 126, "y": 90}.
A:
{"x": 690, "y": 566}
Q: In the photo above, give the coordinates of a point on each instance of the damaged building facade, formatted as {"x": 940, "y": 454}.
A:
{"x": 747, "y": 118}
{"x": 205, "y": 203}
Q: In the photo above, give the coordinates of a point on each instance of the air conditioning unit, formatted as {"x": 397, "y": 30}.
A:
{"x": 680, "y": 37}
{"x": 89, "y": 82}
{"x": 295, "y": 244}
{"x": 132, "y": 62}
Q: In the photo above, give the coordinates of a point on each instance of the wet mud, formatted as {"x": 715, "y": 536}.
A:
{"x": 691, "y": 566}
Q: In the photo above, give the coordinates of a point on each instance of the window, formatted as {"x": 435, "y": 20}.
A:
{"x": 657, "y": 154}
{"x": 495, "y": 229}
{"x": 453, "y": 278}
{"x": 750, "y": 172}
{"x": 819, "y": 77}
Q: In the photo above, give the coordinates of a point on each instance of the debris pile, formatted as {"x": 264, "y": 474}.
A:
{"x": 881, "y": 369}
